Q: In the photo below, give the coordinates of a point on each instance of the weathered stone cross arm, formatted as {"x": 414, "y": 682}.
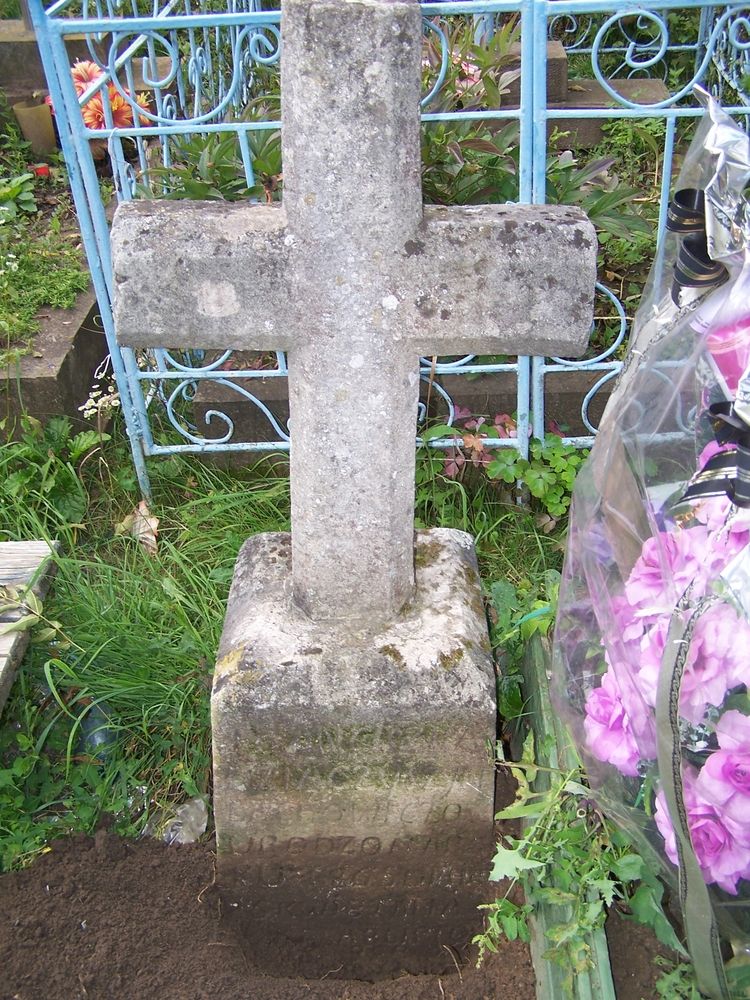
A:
{"x": 493, "y": 278}
{"x": 202, "y": 274}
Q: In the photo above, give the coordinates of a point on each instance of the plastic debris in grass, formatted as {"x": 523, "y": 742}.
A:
{"x": 182, "y": 825}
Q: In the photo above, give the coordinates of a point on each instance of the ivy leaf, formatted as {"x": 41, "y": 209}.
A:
{"x": 509, "y": 864}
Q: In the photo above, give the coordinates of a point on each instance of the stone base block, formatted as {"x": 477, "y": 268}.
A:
{"x": 21, "y": 68}
{"x": 353, "y": 775}
{"x": 557, "y": 74}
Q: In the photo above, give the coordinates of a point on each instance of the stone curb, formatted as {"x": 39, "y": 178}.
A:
{"x": 596, "y": 983}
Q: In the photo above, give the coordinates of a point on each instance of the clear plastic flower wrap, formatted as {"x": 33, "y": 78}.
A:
{"x": 651, "y": 663}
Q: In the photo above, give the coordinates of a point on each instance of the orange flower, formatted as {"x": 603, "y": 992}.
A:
{"x": 93, "y": 112}
{"x": 142, "y": 102}
{"x": 84, "y": 73}
{"x": 122, "y": 112}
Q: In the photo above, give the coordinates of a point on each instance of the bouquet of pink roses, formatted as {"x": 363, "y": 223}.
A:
{"x": 652, "y": 644}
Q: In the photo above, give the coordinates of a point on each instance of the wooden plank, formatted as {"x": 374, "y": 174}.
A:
{"x": 596, "y": 983}
{"x": 22, "y": 564}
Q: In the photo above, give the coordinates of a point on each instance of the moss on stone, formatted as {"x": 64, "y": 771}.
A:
{"x": 426, "y": 554}
{"x": 450, "y": 660}
{"x": 393, "y": 653}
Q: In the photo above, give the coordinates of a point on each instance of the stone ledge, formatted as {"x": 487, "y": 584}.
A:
{"x": 58, "y": 382}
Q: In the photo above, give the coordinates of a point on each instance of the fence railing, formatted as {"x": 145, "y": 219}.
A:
{"x": 182, "y": 101}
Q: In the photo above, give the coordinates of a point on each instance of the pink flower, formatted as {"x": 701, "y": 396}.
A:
{"x": 724, "y": 779}
{"x": 610, "y": 734}
{"x": 651, "y": 651}
{"x": 84, "y": 73}
{"x": 733, "y": 731}
{"x": 721, "y": 846}
{"x": 721, "y": 517}
{"x": 668, "y": 563}
{"x": 716, "y": 660}
{"x": 713, "y": 665}
{"x": 469, "y": 76}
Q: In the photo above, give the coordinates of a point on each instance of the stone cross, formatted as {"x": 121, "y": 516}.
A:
{"x": 353, "y": 702}
{"x": 356, "y": 279}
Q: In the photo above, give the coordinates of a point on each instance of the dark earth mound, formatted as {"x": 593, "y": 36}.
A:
{"x": 104, "y": 918}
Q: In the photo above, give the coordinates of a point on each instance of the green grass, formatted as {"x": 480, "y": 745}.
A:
{"x": 134, "y": 636}
{"x": 42, "y": 263}
{"x": 137, "y": 633}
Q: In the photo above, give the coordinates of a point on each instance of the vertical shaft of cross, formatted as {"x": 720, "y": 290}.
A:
{"x": 352, "y": 196}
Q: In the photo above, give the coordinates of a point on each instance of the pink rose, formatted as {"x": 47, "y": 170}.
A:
{"x": 733, "y": 731}
{"x": 724, "y": 779}
{"x": 670, "y": 561}
{"x": 716, "y": 660}
{"x": 720, "y": 514}
{"x": 612, "y": 735}
{"x": 721, "y": 847}
{"x": 713, "y": 667}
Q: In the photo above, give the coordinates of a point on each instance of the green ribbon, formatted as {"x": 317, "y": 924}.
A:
{"x": 700, "y": 922}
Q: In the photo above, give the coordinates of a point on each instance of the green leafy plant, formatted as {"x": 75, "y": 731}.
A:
{"x": 36, "y": 270}
{"x": 203, "y": 167}
{"x": 598, "y": 191}
{"x": 636, "y": 145}
{"x": 209, "y": 168}
{"x": 570, "y": 858}
{"x": 516, "y": 613}
{"x": 548, "y": 473}
{"x": 477, "y": 76}
{"x": 677, "y": 982}
{"x": 16, "y": 196}
{"x": 42, "y": 465}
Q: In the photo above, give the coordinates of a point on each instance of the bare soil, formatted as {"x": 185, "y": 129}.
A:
{"x": 105, "y": 918}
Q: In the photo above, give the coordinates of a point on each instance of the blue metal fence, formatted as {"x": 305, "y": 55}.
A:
{"x": 181, "y": 100}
